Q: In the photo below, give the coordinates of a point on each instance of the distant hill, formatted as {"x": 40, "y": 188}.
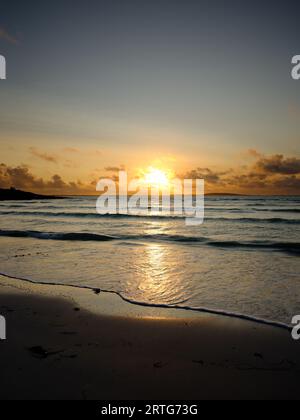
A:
{"x": 226, "y": 195}
{"x": 13, "y": 194}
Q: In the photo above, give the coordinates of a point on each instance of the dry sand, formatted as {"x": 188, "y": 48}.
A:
{"x": 64, "y": 343}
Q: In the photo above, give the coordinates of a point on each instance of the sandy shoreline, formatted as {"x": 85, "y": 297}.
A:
{"x": 64, "y": 343}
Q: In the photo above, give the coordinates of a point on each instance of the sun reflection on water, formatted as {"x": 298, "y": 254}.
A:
{"x": 157, "y": 276}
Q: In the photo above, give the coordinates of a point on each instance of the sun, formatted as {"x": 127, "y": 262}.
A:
{"x": 157, "y": 178}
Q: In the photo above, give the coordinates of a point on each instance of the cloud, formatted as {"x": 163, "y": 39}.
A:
{"x": 21, "y": 177}
{"x": 80, "y": 151}
{"x": 279, "y": 165}
{"x": 42, "y": 155}
{"x": 210, "y": 176}
{"x": 274, "y": 174}
{"x": 248, "y": 181}
{"x": 7, "y": 37}
{"x": 115, "y": 168}
{"x": 290, "y": 182}
{"x": 60, "y": 156}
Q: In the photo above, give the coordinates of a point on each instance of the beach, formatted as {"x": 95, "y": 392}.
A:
{"x": 69, "y": 343}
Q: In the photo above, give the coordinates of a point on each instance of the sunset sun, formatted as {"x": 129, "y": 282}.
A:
{"x": 156, "y": 178}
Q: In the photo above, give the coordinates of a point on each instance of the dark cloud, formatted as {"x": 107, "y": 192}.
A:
{"x": 290, "y": 182}
{"x": 268, "y": 174}
{"x": 249, "y": 180}
{"x": 279, "y": 165}
{"x": 210, "y": 176}
{"x": 21, "y": 177}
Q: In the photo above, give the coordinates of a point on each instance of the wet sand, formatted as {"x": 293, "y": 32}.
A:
{"x": 65, "y": 343}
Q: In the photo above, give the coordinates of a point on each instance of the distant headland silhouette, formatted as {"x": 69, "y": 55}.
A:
{"x": 14, "y": 194}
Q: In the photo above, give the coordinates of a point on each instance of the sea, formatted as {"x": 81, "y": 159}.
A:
{"x": 242, "y": 261}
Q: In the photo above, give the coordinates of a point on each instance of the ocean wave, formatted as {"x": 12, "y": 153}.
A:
{"x": 90, "y": 210}
{"x": 252, "y": 210}
{"x": 283, "y": 210}
{"x": 289, "y": 247}
{"x": 148, "y": 216}
{"x": 57, "y": 236}
{"x": 255, "y": 220}
{"x": 81, "y": 215}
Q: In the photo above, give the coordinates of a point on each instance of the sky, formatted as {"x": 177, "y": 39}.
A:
{"x": 201, "y": 88}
